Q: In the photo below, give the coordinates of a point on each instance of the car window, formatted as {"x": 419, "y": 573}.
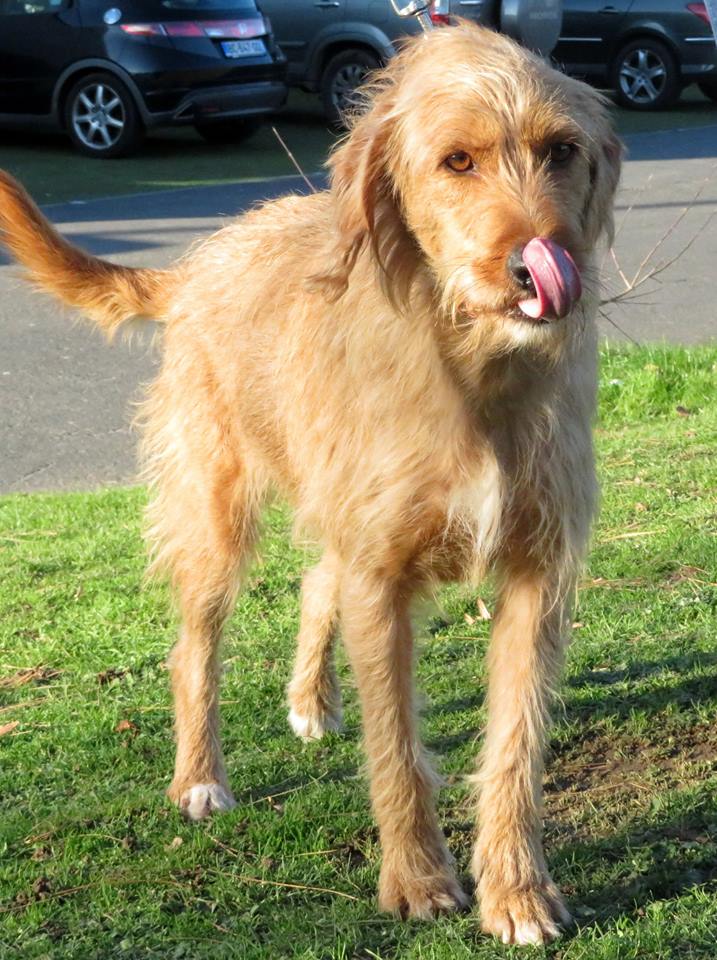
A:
{"x": 10, "y": 7}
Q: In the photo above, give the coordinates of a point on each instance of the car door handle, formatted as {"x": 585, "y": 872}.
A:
{"x": 471, "y": 3}
{"x": 609, "y": 10}
{"x": 327, "y": 3}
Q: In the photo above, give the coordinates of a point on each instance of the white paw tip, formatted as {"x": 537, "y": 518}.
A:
{"x": 312, "y": 728}
{"x": 204, "y": 798}
{"x": 528, "y": 933}
{"x": 531, "y": 934}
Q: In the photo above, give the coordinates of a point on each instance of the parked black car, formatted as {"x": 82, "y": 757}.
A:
{"x": 106, "y": 73}
{"x": 647, "y": 51}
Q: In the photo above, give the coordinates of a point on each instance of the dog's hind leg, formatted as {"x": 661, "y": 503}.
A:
{"x": 518, "y": 900}
{"x": 417, "y": 876}
{"x": 314, "y": 694}
{"x": 205, "y": 520}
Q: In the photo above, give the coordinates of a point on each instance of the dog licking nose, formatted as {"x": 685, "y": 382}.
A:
{"x": 519, "y": 271}
{"x": 547, "y": 270}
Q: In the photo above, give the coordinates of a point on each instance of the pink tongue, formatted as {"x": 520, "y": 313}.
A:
{"x": 555, "y": 278}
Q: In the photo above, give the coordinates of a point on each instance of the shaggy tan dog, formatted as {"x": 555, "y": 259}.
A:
{"x": 410, "y": 357}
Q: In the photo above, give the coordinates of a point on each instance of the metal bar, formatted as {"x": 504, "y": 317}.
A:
{"x": 417, "y": 9}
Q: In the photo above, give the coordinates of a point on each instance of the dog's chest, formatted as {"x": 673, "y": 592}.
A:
{"x": 475, "y": 510}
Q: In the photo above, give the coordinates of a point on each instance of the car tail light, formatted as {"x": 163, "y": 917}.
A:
{"x": 700, "y": 10}
{"x": 215, "y": 29}
{"x": 439, "y": 12}
{"x": 235, "y": 29}
{"x": 183, "y": 29}
{"x": 144, "y": 29}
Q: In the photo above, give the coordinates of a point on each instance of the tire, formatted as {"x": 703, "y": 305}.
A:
{"x": 101, "y": 117}
{"x": 709, "y": 89}
{"x": 342, "y": 76}
{"x": 228, "y": 131}
{"x": 645, "y": 75}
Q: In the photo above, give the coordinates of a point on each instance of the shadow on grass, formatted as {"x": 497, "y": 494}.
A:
{"x": 284, "y": 788}
{"x": 680, "y": 858}
{"x": 642, "y": 669}
{"x": 660, "y": 694}
{"x": 653, "y": 858}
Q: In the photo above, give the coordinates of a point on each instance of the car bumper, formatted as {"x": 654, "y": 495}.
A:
{"x": 223, "y": 102}
{"x": 698, "y": 58}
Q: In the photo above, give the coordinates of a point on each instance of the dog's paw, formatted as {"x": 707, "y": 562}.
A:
{"x": 313, "y": 725}
{"x": 202, "y": 800}
{"x": 420, "y": 897}
{"x": 527, "y": 916}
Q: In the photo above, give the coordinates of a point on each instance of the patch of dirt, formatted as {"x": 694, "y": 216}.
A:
{"x": 686, "y": 573}
{"x": 350, "y": 854}
{"x": 40, "y": 890}
{"x": 622, "y": 766}
{"x": 112, "y": 673}
{"x": 41, "y": 853}
{"x": 39, "y": 674}
{"x": 106, "y": 677}
{"x": 683, "y": 574}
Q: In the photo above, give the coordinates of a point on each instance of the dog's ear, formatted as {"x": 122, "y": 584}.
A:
{"x": 605, "y": 163}
{"x": 367, "y": 207}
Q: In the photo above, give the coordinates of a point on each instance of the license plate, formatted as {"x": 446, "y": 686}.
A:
{"x": 243, "y": 48}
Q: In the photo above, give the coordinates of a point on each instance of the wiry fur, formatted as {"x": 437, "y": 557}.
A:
{"x": 108, "y": 293}
{"x": 361, "y": 350}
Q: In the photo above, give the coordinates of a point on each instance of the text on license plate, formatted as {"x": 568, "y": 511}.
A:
{"x": 243, "y": 48}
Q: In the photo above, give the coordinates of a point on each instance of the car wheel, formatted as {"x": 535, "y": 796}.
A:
{"x": 228, "y": 131}
{"x": 709, "y": 89}
{"x": 343, "y": 75}
{"x": 101, "y": 117}
{"x": 645, "y": 75}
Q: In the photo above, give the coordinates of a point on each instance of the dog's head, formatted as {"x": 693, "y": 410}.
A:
{"x": 488, "y": 174}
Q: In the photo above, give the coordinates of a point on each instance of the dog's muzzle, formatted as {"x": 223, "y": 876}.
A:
{"x": 547, "y": 271}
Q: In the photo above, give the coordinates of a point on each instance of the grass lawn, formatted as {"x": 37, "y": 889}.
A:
{"x": 174, "y": 157}
{"x": 52, "y": 171}
{"x": 94, "y": 863}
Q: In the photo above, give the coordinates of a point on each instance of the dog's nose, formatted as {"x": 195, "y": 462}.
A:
{"x": 519, "y": 272}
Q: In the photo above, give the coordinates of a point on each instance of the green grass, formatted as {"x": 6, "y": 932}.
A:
{"x": 52, "y": 171}
{"x": 693, "y": 109}
{"x": 94, "y": 863}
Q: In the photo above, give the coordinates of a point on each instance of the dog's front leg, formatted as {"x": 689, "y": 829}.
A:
{"x": 417, "y": 877}
{"x": 518, "y": 900}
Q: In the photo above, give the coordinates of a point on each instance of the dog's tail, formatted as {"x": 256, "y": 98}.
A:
{"x": 108, "y": 293}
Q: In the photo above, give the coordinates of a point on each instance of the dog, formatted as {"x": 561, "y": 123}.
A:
{"x": 410, "y": 358}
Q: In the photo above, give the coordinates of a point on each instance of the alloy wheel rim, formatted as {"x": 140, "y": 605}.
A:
{"x": 98, "y": 116}
{"x": 643, "y": 76}
{"x": 345, "y": 83}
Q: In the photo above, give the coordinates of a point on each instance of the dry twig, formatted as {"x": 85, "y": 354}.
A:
{"x": 262, "y": 881}
{"x": 649, "y": 269}
{"x": 294, "y": 161}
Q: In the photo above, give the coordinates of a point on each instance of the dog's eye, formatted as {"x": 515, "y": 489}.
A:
{"x": 459, "y": 162}
{"x": 561, "y": 152}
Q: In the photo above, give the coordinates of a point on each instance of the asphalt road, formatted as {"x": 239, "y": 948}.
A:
{"x": 67, "y": 397}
